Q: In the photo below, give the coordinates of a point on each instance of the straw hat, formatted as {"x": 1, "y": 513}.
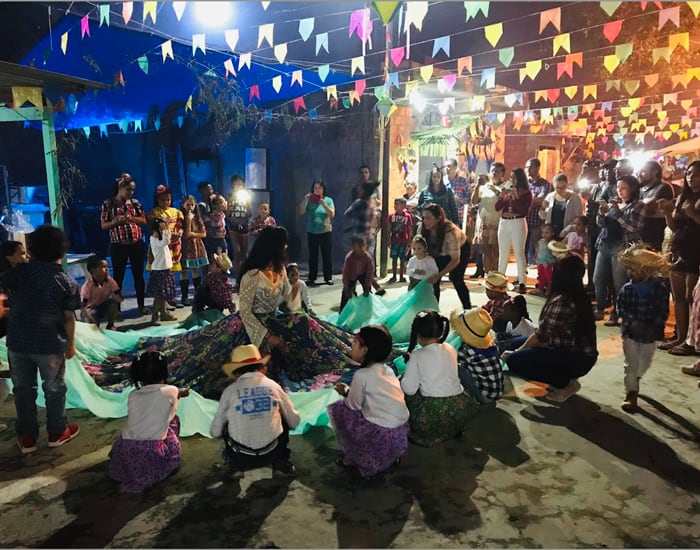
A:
{"x": 244, "y": 356}
{"x": 223, "y": 261}
{"x": 558, "y": 248}
{"x": 473, "y": 327}
{"x": 642, "y": 263}
{"x": 495, "y": 280}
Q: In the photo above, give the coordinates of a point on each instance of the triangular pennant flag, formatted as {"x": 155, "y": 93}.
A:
{"x": 658, "y": 53}
{"x": 445, "y": 84}
{"x": 571, "y": 91}
{"x": 442, "y": 43}
{"x": 379, "y": 92}
{"x": 607, "y": 105}
{"x": 588, "y": 108}
{"x": 681, "y": 39}
{"x": 124, "y": 126}
{"x": 277, "y": 83}
{"x": 143, "y": 63}
{"x": 552, "y": 16}
{"x": 561, "y": 41}
{"x": 357, "y": 64}
{"x": 297, "y": 78}
{"x": 694, "y": 7}
{"x": 86, "y": 131}
{"x": 104, "y": 14}
{"x": 188, "y": 104}
{"x": 322, "y": 42}
{"x": 488, "y": 78}
{"x": 323, "y": 71}
{"x": 662, "y": 115}
{"x": 179, "y": 9}
{"x": 506, "y": 55}
{"x": 313, "y": 114}
{"x": 119, "y": 79}
{"x": 611, "y": 62}
{"x": 553, "y": 94}
{"x": 361, "y": 23}
{"x": 686, "y": 103}
{"x": 610, "y": 7}
{"x": 280, "y": 51}
{"x": 199, "y": 43}
{"x": 493, "y": 33}
{"x": 64, "y": 42}
{"x": 533, "y": 68}
{"x": 565, "y": 68}
{"x": 623, "y": 51}
{"x": 393, "y": 80}
{"x": 231, "y": 36}
{"x": 464, "y": 63}
{"x": 306, "y": 27}
{"x": 631, "y": 86}
{"x": 473, "y": 8}
{"x": 396, "y": 55}
{"x": 575, "y": 59}
{"x": 670, "y": 98}
{"x": 410, "y": 86}
{"x": 682, "y": 79}
{"x": 127, "y": 11}
{"x": 150, "y": 9}
{"x": 332, "y": 91}
{"x": 426, "y": 71}
{"x": 354, "y": 97}
{"x": 540, "y": 94}
{"x": 478, "y": 102}
{"x": 103, "y": 130}
{"x": 299, "y": 104}
{"x": 254, "y": 91}
{"x": 414, "y": 14}
{"x": 360, "y": 86}
{"x": 693, "y": 72}
{"x": 386, "y": 10}
{"x": 244, "y": 60}
{"x": 635, "y": 102}
{"x": 670, "y": 14}
{"x": 510, "y": 99}
{"x": 24, "y": 94}
{"x": 166, "y": 50}
{"x": 612, "y": 29}
{"x": 590, "y": 90}
{"x": 84, "y": 26}
{"x": 265, "y": 33}
{"x": 346, "y": 102}
{"x": 228, "y": 65}
{"x": 651, "y": 79}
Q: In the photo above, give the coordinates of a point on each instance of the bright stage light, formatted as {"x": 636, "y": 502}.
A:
{"x": 637, "y": 159}
{"x": 417, "y": 101}
{"x": 213, "y": 14}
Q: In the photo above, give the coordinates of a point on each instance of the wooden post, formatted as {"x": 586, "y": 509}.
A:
{"x": 51, "y": 161}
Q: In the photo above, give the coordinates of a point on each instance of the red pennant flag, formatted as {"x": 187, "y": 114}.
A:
{"x": 254, "y": 92}
{"x": 553, "y": 94}
{"x": 360, "y": 86}
{"x": 611, "y": 30}
{"x": 565, "y": 68}
{"x": 119, "y": 79}
{"x": 299, "y": 104}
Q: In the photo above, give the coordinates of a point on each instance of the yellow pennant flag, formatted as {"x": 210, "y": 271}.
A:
{"x": 492, "y": 33}
{"x": 562, "y": 41}
{"x": 150, "y": 8}
{"x": 426, "y": 72}
{"x": 674, "y": 127}
{"x": 695, "y": 7}
{"x": 64, "y": 42}
{"x": 658, "y": 53}
{"x": 631, "y": 86}
{"x": 625, "y": 111}
{"x": 683, "y": 134}
{"x": 635, "y": 102}
{"x": 693, "y": 72}
{"x": 357, "y": 64}
{"x": 651, "y": 79}
{"x": 265, "y": 34}
{"x": 667, "y": 134}
{"x": 166, "y": 49}
{"x": 591, "y": 90}
{"x": 681, "y": 39}
{"x": 611, "y": 63}
{"x": 686, "y": 103}
{"x": 682, "y": 79}
{"x": 533, "y": 68}
{"x": 571, "y": 91}
{"x": 24, "y": 94}
{"x": 188, "y": 105}
{"x": 332, "y": 91}
{"x": 281, "y": 52}
{"x": 661, "y": 114}
{"x": 410, "y": 86}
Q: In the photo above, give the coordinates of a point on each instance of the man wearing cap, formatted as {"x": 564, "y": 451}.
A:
{"x": 254, "y": 417}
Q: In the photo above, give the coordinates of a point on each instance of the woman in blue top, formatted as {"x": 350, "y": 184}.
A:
{"x": 321, "y": 211}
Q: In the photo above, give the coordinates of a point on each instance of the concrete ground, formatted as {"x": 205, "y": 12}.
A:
{"x": 526, "y": 474}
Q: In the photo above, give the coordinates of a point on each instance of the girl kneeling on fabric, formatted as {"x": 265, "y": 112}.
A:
{"x": 371, "y": 423}
{"x": 148, "y": 450}
{"x": 440, "y": 409}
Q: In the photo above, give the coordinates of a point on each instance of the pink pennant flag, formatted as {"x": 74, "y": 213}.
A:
{"x": 612, "y": 29}
{"x": 228, "y": 65}
{"x": 670, "y": 14}
{"x": 361, "y": 23}
{"x": 447, "y": 82}
{"x": 565, "y": 68}
{"x": 127, "y": 11}
{"x": 360, "y": 86}
{"x": 84, "y": 26}
{"x": 254, "y": 92}
{"x": 299, "y": 104}
{"x": 604, "y": 139}
{"x": 397, "y": 55}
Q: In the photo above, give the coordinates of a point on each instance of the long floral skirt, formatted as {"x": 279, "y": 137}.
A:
{"x": 437, "y": 419}
{"x": 140, "y": 464}
{"x": 370, "y": 447}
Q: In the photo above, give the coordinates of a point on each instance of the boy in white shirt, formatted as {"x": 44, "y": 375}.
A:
{"x": 421, "y": 266}
{"x": 254, "y": 417}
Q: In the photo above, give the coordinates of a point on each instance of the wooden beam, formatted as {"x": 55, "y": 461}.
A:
{"x": 51, "y": 161}
{"x": 22, "y": 114}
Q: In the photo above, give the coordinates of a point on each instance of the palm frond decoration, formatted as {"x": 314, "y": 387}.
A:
{"x": 437, "y": 141}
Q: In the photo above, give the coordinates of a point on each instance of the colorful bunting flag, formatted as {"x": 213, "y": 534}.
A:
{"x": 166, "y": 50}
{"x": 297, "y": 78}
{"x": 244, "y": 60}
{"x": 299, "y": 104}
{"x": 150, "y": 9}
{"x": 322, "y": 42}
{"x": 64, "y": 42}
{"x": 473, "y": 9}
{"x": 540, "y": 94}
{"x": 414, "y": 14}
{"x": 611, "y": 62}
{"x": 565, "y": 68}
{"x": 488, "y": 78}
{"x": 670, "y": 98}
{"x": 612, "y": 29}
{"x": 188, "y": 105}
{"x": 623, "y": 51}
{"x": 277, "y": 83}
{"x": 323, "y": 71}
{"x": 446, "y": 83}
{"x": 393, "y": 80}
{"x": 658, "y": 53}
{"x": 119, "y": 79}
{"x": 681, "y": 39}
{"x": 332, "y": 91}
{"x": 610, "y": 7}
{"x": 552, "y": 16}
{"x": 361, "y": 23}
{"x": 464, "y": 63}
{"x": 386, "y": 10}
{"x": 199, "y": 43}
{"x": 442, "y": 43}
{"x": 24, "y": 94}
{"x": 280, "y": 51}
{"x": 571, "y": 91}
{"x": 670, "y": 14}
{"x": 265, "y": 33}
{"x": 86, "y": 131}
{"x": 313, "y": 114}
{"x": 533, "y": 68}
{"x": 179, "y": 9}
{"x": 651, "y": 79}
{"x": 127, "y": 11}
{"x": 590, "y": 90}
{"x": 426, "y": 71}
{"x": 104, "y": 14}
{"x": 506, "y": 55}
{"x": 492, "y": 33}
{"x": 357, "y": 64}
{"x": 561, "y": 41}
{"x": 682, "y": 79}
{"x": 254, "y": 91}
{"x": 396, "y": 55}
{"x": 231, "y": 37}
{"x": 575, "y": 58}
{"x": 228, "y": 65}
{"x": 694, "y": 7}
{"x": 631, "y": 86}
{"x": 306, "y": 27}
{"x": 265, "y": 5}
{"x": 612, "y": 84}
{"x": 143, "y": 63}
{"x": 84, "y": 26}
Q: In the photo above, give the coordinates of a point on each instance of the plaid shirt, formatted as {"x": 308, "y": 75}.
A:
{"x": 444, "y": 198}
{"x": 485, "y": 367}
{"x": 127, "y": 232}
{"x": 540, "y": 188}
{"x": 258, "y": 224}
{"x": 644, "y": 310}
{"x": 558, "y": 328}
{"x": 462, "y": 193}
{"x": 629, "y": 217}
{"x": 495, "y": 306}
{"x": 221, "y": 290}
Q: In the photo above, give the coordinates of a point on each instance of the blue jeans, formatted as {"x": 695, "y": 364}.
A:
{"x": 609, "y": 274}
{"x": 23, "y": 368}
{"x": 469, "y": 384}
{"x": 508, "y": 342}
{"x": 556, "y": 367}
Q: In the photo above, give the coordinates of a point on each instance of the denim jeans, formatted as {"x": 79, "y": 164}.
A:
{"x": 471, "y": 387}
{"x": 556, "y": 367}
{"x": 608, "y": 274}
{"x": 23, "y": 368}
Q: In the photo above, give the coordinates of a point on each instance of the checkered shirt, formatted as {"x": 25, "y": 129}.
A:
{"x": 540, "y": 188}
{"x": 644, "y": 310}
{"x": 127, "y": 232}
{"x": 558, "y": 328}
{"x": 495, "y": 306}
{"x": 462, "y": 192}
{"x": 485, "y": 367}
{"x": 221, "y": 290}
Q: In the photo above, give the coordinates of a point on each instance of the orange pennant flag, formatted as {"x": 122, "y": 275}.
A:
{"x": 651, "y": 79}
{"x": 464, "y": 63}
{"x": 552, "y": 16}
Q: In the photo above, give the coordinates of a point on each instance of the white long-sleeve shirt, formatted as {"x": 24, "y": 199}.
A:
{"x": 524, "y": 328}
{"x": 253, "y": 407}
{"x": 149, "y": 412}
{"x": 162, "y": 259}
{"x": 301, "y": 302}
{"x": 427, "y": 264}
{"x": 376, "y": 392}
{"x": 432, "y": 370}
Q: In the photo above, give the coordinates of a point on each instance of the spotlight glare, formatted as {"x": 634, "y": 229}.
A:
{"x": 213, "y": 14}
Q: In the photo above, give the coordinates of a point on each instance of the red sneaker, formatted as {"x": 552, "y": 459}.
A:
{"x": 26, "y": 444}
{"x": 71, "y": 431}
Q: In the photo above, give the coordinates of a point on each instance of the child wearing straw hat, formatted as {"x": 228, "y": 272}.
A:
{"x": 496, "y": 285}
{"x": 479, "y": 364}
{"x": 254, "y": 417}
{"x": 216, "y": 291}
{"x": 643, "y": 306}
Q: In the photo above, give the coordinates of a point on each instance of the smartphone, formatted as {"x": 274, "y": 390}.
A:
{"x": 316, "y": 199}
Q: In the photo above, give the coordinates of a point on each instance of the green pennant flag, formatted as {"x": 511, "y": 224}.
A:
{"x": 623, "y": 51}
{"x": 143, "y": 63}
{"x": 386, "y": 10}
{"x": 506, "y": 55}
{"x": 346, "y": 102}
{"x": 104, "y": 14}
{"x": 287, "y": 121}
{"x": 379, "y": 92}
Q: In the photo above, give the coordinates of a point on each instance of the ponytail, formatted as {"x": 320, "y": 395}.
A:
{"x": 427, "y": 324}
{"x": 521, "y": 307}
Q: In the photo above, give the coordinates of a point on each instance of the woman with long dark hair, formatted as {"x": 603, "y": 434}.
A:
{"x": 320, "y": 211}
{"x": 437, "y": 193}
{"x": 563, "y": 348}
{"x": 514, "y": 203}
{"x": 450, "y": 248}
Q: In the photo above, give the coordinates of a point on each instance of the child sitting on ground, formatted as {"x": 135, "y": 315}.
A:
{"x": 480, "y": 370}
{"x": 439, "y": 407}
{"x": 357, "y": 268}
{"x": 216, "y": 291}
{"x": 100, "y": 295}
{"x": 254, "y": 417}
{"x": 545, "y": 260}
{"x": 496, "y": 285}
{"x": 262, "y": 220}
{"x": 577, "y": 237}
{"x": 371, "y": 423}
{"x": 421, "y": 265}
{"x": 400, "y": 229}
{"x": 300, "y": 292}
{"x": 643, "y": 306}
{"x": 148, "y": 450}
{"x": 519, "y": 325}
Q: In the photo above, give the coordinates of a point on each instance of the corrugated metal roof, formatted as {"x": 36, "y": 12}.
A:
{"x": 20, "y": 75}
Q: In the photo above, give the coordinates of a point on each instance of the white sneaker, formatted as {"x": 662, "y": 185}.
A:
{"x": 561, "y": 395}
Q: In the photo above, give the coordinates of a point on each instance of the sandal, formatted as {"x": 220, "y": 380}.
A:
{"x": 667, "y": 345}
{"x": 683, "y": 350}
{"x": 692, "y": 371}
